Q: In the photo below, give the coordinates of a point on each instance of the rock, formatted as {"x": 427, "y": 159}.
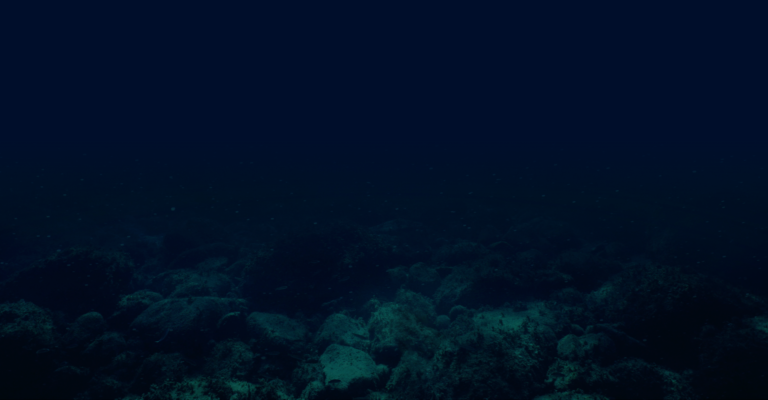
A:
{"x": 230, "y": 359}
{"x": 188, "y": 322}
{"x": 442, "y": 322}
{"x": 340, "y": 329}
{"x": 456, "y": 311}
{"x": 105, "y": 347}
{"x": 350, "y": 372}
{"x": 402, "y": 325}
{"x": 458, "y": 286}
{"x": 74, "y": 281}
{"x": 25, "y": 329}
{"x": 592, "y": 346}
{"x": 277, "y": 332}
{"x": 232, "y": 325}
{"x": 218, "y": 253}
{"x": 28, "y": 342}
{"x": 86, "y": 328}
{"x": 131, "y": 306}
{"x": 180, "y": 283}
{"x": 423, "y": 279}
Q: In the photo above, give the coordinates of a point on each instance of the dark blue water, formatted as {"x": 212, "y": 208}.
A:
{"x": 483, "y": 210}
{"x": 706, "y": 198}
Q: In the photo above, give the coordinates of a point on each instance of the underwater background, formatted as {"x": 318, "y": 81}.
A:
{"x": 243, "y": 210}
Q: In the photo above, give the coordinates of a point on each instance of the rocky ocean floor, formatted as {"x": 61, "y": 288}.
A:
{"x": 393, "y": 311}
